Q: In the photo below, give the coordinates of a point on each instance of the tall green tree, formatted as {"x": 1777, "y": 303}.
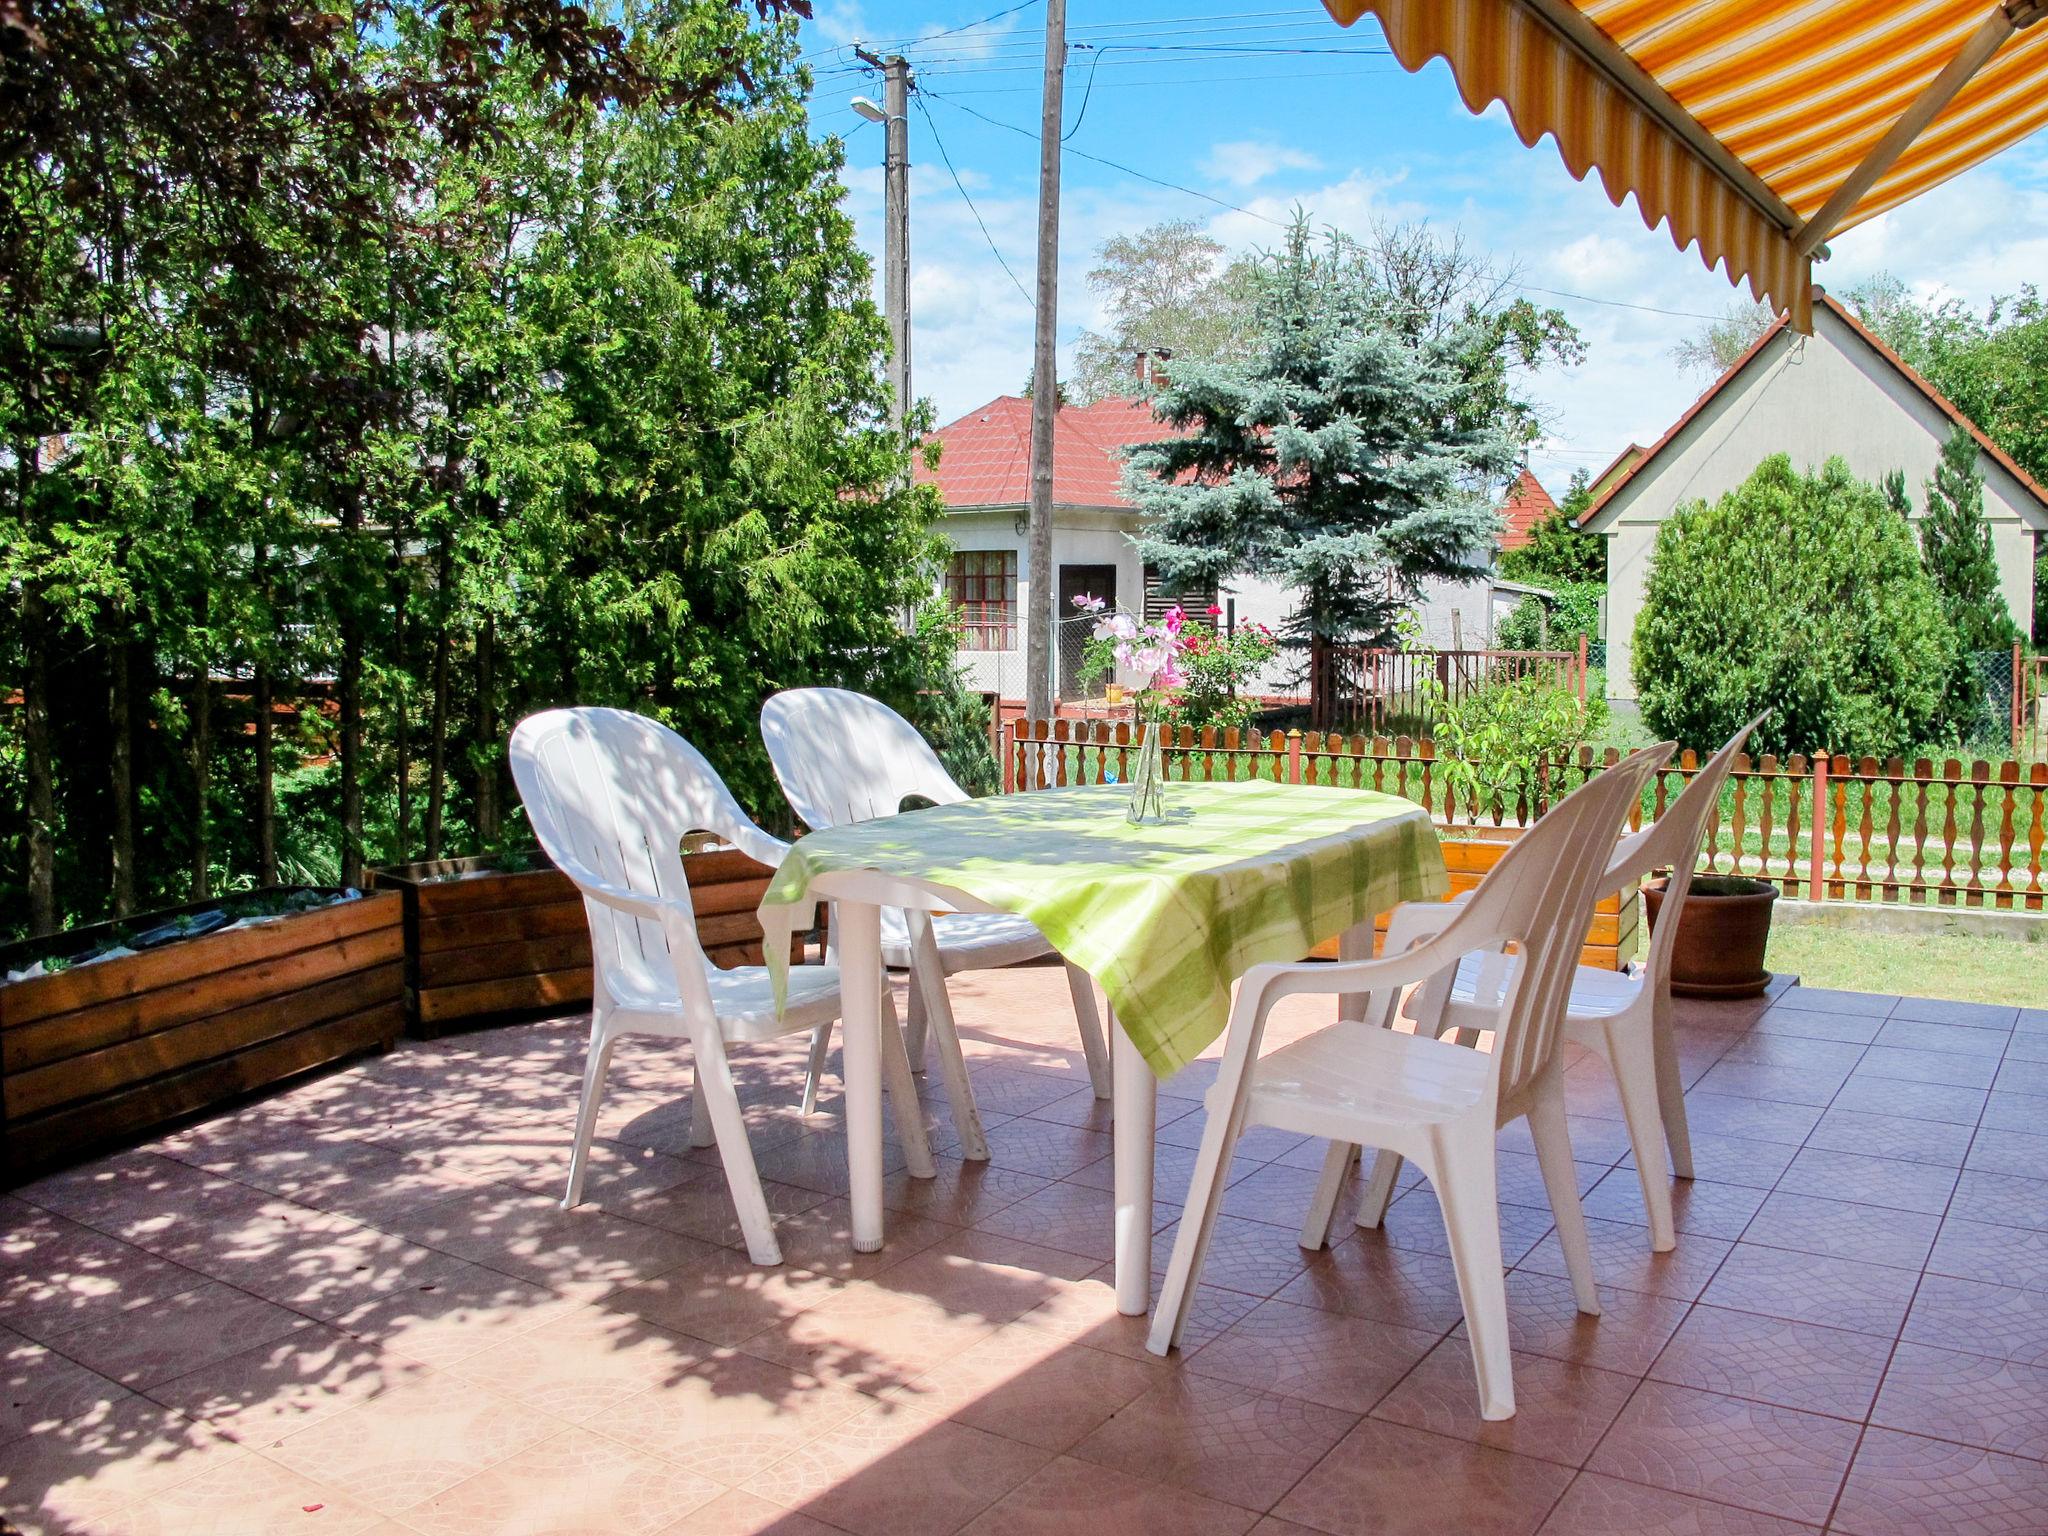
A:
{"x": 1955, "y": 546}
{"x": 1354, "y": 452}
{"x": 1558, "y": 549}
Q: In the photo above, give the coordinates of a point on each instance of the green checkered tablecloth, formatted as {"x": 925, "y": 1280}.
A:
{"x": 1165, "y": 916}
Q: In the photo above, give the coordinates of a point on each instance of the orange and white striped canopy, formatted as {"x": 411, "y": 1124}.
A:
{"x": 1757, "y": 128}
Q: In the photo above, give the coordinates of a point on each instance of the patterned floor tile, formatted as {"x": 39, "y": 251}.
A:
{"x": 1341, "y": 1362}
{"x": 1905, "y": 1485}
{"x": 1790, "y": 1365}
{"x": 1388, "y": 1480}
{"x": 1561, "y": 1409}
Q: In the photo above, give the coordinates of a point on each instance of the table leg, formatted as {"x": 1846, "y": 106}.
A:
{"x": 1136, "y": 1106}
{"x": 1355, "y": 943}
{"x": 860, "y": 994}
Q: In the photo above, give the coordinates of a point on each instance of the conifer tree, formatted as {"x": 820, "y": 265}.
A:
{"x": 1955, "y": 546}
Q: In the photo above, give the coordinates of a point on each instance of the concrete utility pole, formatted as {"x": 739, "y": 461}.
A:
{"x": 895, "y": 120}
{"x": 1045, "y": 388}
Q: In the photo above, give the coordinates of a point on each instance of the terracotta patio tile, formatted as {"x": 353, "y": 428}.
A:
{"x": 1913, "y": 1141}
{"x": 734, "y": 1513}
{"x": 532, "y": 1238}
{"x": 1978, "y": 1250}
{"x": 1996, "y": 1404}
{"x": 1544, "y": 1319}
{"x": 250, "y": 1496}
{"x": 2001, "y": 1198}
{"x": 1977, "y": 1318}
{"x": 1941, "y": 1011}
{"x": 1736, "y": 1159}
{"x": 701, "y": 1207}
{"x": 724, "y": 1299}
{"x": 578, "y": 1483}
{"x": 1622, "y": 1257}
{"x": 1032, "y": 1386}
{"x": 1788, "y": 1364}
{"x": 1698, "y": 1206}
{"x": 1260, "y": 1144}
{"x": 1388, "y": 1480}
{"x": 444, "y": 1319}
{"x": 1071, "y": 1217}
{"x": 1085, "y": 1311}
{"x": 404, "y": 1446}
{"x": 1834, "y": 1000}
{"x": 581, "y": 1367}
{"x": 870, "y": 1338}
{"x": 87, "y": 1471}
{"x": 1904, "y": 1485}
{"x": 1043, "y": 1148}
{"x": 1773, "y": 1460}
{"x": 1867, "y": 1180}
{"x": 1868, "y": 1234}
{"x": 1923, "y": 1101}
{"x": 1274, "y": 1193}
{"x": 893, "y": 1471}
{"x": 732, "y": 1416}
{"x": 1218, "y": 1439}
{"x": 1607, "y": 1506}
{"x": 1951, "y": 1037}
{"x": 1415, "y": 1220}
{"x": 1249, "y": 1256}
{"x": 1810, "y": 1288}
{"x": 2005, "y": 1110}
{"x": 1561, "y": 1409}
{"x": 1805, "y": 1085}
{"x": 1751, "y": 1119}
{"x": 56, "y": 1275}
{"x": 962, "y": 1194}
{"x": 1832, "y": 1057}
{"x": 146, "y": 1345}
{"x": 2016, "y": 1154}
{"x": 1810, "y": 1024}
{"x": 1002, "y": 1090}
{"x": 1076, "y": 1498}
{"x": 1914, "y": 1066}
{"x": 262, "y": 1394}
{"x": 1366, "y": 1276}
{"x": 40, "y": 1389}
{"x": 1347, "y": 1363}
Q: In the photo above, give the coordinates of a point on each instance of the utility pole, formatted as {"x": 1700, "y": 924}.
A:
{"x": 1045, "y": 388}
{"x": 895, "y": 120}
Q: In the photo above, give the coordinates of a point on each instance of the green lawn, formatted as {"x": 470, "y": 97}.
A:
{"x": 1959, "y": 966}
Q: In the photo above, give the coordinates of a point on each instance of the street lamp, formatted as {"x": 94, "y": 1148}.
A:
{"x": 869, "y": 110}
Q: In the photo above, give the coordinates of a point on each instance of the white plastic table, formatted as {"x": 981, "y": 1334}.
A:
{"x": 1165, "y": 919}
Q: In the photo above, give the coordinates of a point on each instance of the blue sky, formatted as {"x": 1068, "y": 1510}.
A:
{"x": 1259, "y": 106}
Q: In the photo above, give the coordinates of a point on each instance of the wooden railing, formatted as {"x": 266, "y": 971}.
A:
{"x": 2029, "y": 705}
{"x": 1827, "y": 828}
{"x": 1364, "y": 686}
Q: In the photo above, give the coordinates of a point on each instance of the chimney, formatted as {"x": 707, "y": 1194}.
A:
{"x": 1151, "y": 368}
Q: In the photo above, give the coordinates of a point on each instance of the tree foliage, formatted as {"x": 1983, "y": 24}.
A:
{"x": 1167, "y": 288}
{"x": 1955, "y": 546}
{"x": 1361, "y": 440}
{"x": 368, "y": 381}
{"x": 1558, "y": 551}
{"x": 1719, "y": 344}
{"x": 1555, "y": 624}
{"x": 1803, "y": 593}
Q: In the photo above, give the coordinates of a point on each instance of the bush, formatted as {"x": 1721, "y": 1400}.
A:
{"x": 1572, "y": 610}
{"x": 1803, "y": 593}
{"x": 1494, "y": 743}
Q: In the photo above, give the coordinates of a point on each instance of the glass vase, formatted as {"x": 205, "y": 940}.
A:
{"x": 1148, "y": 781}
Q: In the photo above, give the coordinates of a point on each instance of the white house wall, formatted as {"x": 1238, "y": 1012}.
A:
{"x": 1812, "y": 399}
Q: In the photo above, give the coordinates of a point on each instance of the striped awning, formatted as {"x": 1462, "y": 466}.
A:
{"x": 1755, "y": 129}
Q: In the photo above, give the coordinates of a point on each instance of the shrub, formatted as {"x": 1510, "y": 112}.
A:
{"x": 1494, "y": 742}
{"x": 1572, "y": 610}
{"x": 1803, "y": 593}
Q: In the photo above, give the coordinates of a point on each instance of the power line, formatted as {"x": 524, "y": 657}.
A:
{"x": 961, "y": 186}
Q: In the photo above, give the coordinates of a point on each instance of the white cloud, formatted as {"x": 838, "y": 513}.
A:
{"x": 1247, "y": 162}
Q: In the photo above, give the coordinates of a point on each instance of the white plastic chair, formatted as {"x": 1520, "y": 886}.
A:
{"x": 1624, "y": 1018}
{"x": 843, "y": 757}
{"x": 611, "y": 796}
{"x": 1433, "y": 1101}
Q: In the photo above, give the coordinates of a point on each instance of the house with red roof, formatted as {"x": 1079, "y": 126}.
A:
{"x": 1840, "y": 392}
{"x": 1526, "y": 505}
{"x": 984, "y": 475}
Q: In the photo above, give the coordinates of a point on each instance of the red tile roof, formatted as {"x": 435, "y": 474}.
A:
{"x": 986, "y": 457}
{"x": 1527, "y": 505}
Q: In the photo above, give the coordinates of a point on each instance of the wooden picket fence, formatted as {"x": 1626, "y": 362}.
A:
{"x": 1826, "y": 828}
{"x": 1374, "y": 688}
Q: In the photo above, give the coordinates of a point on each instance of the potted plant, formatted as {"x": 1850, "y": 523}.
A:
{"x": 112, "y": 1030}
{"x": 1723, "y": 932}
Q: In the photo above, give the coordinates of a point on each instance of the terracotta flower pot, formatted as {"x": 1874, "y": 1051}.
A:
{"x": 1721, "y": 936}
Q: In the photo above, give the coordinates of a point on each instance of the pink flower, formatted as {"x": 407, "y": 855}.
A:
{"x": 1214, "y": 611}
{"x": 1088, "y": 602}
{"x": 1175, "y": 617}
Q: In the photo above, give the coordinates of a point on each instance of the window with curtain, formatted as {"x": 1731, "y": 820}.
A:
{"x": 982, "y": 584}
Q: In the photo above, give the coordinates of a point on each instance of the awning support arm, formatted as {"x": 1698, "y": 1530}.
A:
{"x": 2005, "y": 19}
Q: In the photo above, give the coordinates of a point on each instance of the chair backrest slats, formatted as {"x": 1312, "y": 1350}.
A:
{"x": 843, "y": 757}
{"x": 610, "y": 796}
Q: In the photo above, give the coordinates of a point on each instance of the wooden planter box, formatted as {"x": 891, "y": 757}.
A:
{"x": 482, "y": 943}
{"x": 103, "y": 1052}
{"x": 1470, "y": 852}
